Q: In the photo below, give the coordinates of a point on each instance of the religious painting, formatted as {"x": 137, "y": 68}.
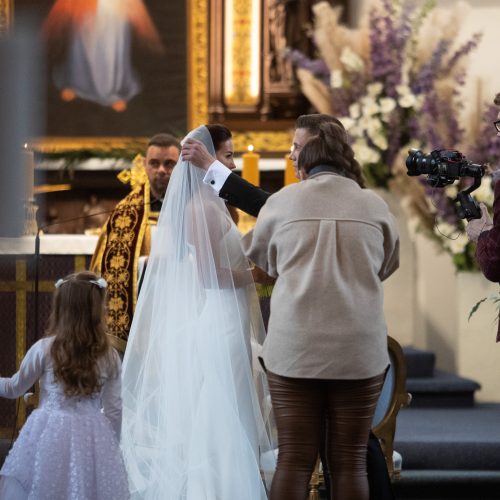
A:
{"x": 113, "y": 67}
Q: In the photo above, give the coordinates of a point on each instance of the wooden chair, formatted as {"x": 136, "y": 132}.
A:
{"x": 392, "y": 398}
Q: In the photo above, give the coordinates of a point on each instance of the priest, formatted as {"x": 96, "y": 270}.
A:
{"x": 125, "y": 239}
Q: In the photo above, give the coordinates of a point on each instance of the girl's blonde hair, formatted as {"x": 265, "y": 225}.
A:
{"x": 77, "y": 322}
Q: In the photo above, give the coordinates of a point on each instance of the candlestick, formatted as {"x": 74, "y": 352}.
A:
{"x": 29, "y": 173}
{"x": 290, "y": 176}
{"x": 251, "y": 166}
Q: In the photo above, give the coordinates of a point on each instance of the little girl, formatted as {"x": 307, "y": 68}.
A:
{"x": 69, "y": 448}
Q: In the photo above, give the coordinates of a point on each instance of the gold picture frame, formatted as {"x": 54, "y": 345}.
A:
{"x": 198, "y": 26}
{"x": 5, "y": 16}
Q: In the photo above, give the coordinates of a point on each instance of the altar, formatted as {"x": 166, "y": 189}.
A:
{"x": 59, "y": 255}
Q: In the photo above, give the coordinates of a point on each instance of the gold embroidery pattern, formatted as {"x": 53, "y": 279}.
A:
{"x": 124, "y": 230}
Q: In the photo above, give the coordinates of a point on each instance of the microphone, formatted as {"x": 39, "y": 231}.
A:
{"x": 36, "y": 255}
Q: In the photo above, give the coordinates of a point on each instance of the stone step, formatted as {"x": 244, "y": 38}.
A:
{"x": 419, "y": 364}
{"x": 443, "y": 390}
{"x": 449, "y": 438}
{"x": 444, "y": 485}
{"x": 447, "y": 485}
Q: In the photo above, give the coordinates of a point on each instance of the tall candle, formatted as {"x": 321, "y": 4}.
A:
{"x": 290, "y": 176}
{"x": 29, "y": 172}
{"x": 251, "y": 166}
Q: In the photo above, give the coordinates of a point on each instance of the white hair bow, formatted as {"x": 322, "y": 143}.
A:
{"x": 101, "y": 282}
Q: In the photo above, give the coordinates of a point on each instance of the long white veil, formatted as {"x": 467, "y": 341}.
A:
{"x": 194, "y": 399}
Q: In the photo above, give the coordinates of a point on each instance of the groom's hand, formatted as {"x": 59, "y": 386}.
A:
{"x": 195, "y": 152}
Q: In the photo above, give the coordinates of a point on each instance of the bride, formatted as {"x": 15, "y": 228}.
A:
{"x": 193, "y": 395}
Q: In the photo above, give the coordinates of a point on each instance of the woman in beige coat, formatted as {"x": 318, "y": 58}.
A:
{"x": 330, "y": 244}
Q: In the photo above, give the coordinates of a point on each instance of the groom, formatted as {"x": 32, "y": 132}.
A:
{"x": 249, "y": 198}
{"x": 230, "y": 186}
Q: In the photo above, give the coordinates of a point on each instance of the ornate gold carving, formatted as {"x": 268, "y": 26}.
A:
{"x": 6, "y": 13}
{"x": 263, "y": 142}
{"x": 63, "y": 144}
{"x": 198, "y": 63}
{"x": 135, "y": 176}
{"x": 242, "y": 54}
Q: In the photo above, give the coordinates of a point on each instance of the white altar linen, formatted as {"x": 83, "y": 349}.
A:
{"x": 50, "y": 244}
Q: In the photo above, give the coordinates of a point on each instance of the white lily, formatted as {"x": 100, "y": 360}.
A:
{"x": 374, "y": 89}
{"x": 355, "y": 110}
{"x": 407, "y": 101}
{"x": 351, "y": 60}
{"x": 387, "y": 104}
{"x": 336, "y": 79}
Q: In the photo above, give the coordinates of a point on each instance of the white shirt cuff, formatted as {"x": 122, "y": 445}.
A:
{"x": 216, "y": 175}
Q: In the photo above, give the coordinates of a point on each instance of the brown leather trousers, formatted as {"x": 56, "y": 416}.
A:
{"x": 310, "y": 410}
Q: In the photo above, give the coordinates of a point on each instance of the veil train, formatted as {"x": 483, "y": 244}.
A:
{"x": 195, "y": 424}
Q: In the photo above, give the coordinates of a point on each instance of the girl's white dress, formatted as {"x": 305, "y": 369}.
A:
{"x": 69, "y": 447}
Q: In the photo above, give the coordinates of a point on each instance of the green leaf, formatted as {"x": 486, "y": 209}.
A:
{"x": 476, "y": 307}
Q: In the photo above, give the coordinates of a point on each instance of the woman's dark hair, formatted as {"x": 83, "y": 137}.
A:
{"x": 77, "y": 322}
{"x": 331, "y": 147}
{"x": 219, "y": 134}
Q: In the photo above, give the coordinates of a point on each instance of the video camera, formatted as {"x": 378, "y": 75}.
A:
{"x": 444, "y": 167}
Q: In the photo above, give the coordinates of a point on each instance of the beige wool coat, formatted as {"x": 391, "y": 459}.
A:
{"x": 330, "y": 244}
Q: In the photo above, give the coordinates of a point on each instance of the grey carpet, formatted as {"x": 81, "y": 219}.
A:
{"x": 450, "y": 439}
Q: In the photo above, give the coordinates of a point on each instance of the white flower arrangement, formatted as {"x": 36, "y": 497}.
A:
{"x": 367, "y": 123}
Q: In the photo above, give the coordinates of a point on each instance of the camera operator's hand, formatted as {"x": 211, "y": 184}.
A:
{"x": 476, "y": 226}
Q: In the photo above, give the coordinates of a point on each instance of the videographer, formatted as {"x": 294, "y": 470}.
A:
{"x": 486, "y": 232}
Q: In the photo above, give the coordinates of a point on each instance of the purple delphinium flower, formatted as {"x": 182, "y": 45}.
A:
{"x": 385, "y": 47}
{"x": 317, "y": 67}
{"x": 487, "y": 147}
{"x": 431, "y": 71}
{"x": 463, "y": 51}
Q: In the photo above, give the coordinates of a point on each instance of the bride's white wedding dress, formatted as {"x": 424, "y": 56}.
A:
{"x": 193, "y": 424}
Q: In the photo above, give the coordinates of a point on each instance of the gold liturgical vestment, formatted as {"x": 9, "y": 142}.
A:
{"x": 125, "y": 237}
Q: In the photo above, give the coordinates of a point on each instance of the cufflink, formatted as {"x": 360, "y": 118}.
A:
{"x": 212, "y": 182}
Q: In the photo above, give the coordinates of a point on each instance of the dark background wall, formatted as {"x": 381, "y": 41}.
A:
{"x": 161, "y": 106}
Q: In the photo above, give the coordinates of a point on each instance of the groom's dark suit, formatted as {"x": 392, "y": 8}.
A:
{"x": 249, "y": 198}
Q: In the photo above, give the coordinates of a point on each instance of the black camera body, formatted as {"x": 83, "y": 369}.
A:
{"x": 444, "y": 167}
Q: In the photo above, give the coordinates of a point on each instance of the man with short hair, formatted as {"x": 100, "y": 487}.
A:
{"x": 125, "y": 240}
{"x": 230, "y": 186}
{"x": 249, "y": 198}
{"x": 162, "y": 155}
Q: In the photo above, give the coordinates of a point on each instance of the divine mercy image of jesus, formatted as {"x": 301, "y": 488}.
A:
{"x": 97, "y": 65}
